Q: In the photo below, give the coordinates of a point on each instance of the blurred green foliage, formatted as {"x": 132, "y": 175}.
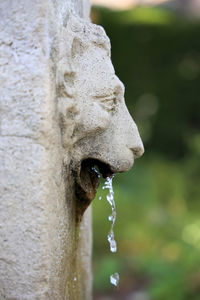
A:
{"x": 157, "y": 56}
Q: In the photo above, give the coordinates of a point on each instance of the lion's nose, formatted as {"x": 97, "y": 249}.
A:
{"x": 138, "y": 151}
{"x": 134, "y": 140}
{"x": 137, "y": 146}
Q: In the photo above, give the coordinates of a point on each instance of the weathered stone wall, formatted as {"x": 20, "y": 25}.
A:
{"x": 37, "y": 232}
{"x": 62, "y": 115}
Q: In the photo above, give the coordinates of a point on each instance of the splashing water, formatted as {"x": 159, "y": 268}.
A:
{"x": 112, "y": 217}
{"x": 114, "y": 278}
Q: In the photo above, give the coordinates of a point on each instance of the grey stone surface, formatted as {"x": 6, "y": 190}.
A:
{"x": 62, "y": 112}
{"x": 36, "y": 225}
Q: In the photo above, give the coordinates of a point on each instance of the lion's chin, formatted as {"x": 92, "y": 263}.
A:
{"x": 87, "y": 182}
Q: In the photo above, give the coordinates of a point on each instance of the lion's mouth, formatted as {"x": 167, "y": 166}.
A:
{"x": 90, "y": 173}
{"x": 88, "y": 181}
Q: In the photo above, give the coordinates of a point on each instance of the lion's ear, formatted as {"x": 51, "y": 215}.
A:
{"x": 69, "y": 78}
{"x": 65, "y": 79}
{"x": 78, "y": 47}
{"x": 65, "y": 87}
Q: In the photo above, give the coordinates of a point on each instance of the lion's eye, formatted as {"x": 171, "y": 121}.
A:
{"x": 107, "y": 102}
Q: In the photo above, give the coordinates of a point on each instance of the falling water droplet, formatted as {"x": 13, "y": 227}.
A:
{"x": 114, "y": 279}
{"x": 74, "y": 283}
{"x": 110, "y": 218}
{"x": 111, "y": 240}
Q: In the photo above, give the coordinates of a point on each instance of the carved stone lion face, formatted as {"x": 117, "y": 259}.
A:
{"x": 104, "y": 135}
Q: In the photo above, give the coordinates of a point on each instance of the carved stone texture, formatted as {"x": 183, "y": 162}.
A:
{"x": 96, "y": 127}
{"x": 62, "y": 114}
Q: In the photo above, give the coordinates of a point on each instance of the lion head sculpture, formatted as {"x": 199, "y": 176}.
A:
{"x": 96, "y": 127}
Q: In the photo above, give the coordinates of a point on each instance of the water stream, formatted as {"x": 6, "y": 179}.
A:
{"x": 114, "y": 278}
